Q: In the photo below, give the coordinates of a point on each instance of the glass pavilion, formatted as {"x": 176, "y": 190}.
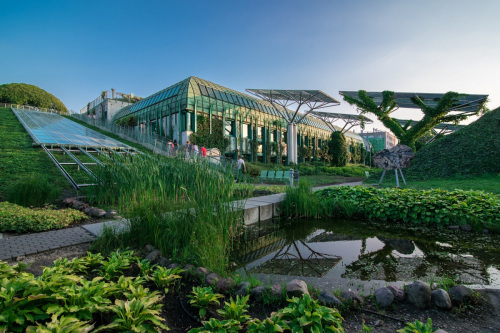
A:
{"x": 173, "y": 113}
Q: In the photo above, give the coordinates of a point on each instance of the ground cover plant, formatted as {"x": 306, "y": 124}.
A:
{"x": 181, "y": 207}
{"x": 21, "y": 161}
{"x": 433, "y": 207}
{"x": 19, "y": 219}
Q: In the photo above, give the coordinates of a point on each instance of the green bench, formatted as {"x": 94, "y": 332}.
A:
{"x": 281, "y": 176}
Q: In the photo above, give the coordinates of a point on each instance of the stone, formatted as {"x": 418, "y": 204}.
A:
{"x": 466, "y": 227}
{"x": 453, "y": 227}
{"x": 440, "y": 331}
{"x": 225, "y": 284}
{"x": 460, "y": 294}
{"x": 419, "y": 294}
{"x": 399, "y": 294}
{"x": 486, "y": 231}
{"x": 384, "y": 297}
{"x": 149, "y": 248}
{"x": 94, "y": 212}
{"x": 111, "y": 214}
{"x": 396, "y": 157}
{"x": 153, "y": 256}
{"x": 441, "y": 299}
{"x": 77, "y": 205}
{"x": 258, "y": 291}
{"x": 351, "y": 296}
{"x": 164, "y": 262}
{"x": 174, "y": 265}
{"x": 243, "y": 289}
{"x": 329, "y": 299}
{"x": 276, "y": 290}
{"x": 187, "y": 270}
{"x": 296, "y": 288}
{"x": 212, "y": 279}
{"x": 201, "y": 271}
{"x": 69, "y": 201}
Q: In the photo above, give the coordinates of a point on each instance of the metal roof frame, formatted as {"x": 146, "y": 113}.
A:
{"x": 350, "y": 120}
{"x": 283, "y": 99}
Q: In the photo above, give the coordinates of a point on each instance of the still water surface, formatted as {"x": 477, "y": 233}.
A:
{"x": 338, "y": 253}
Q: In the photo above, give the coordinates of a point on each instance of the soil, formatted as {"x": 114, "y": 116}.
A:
{"x": 482, "y": 316}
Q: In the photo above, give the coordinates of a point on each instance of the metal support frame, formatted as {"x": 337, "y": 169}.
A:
{"x": 82, "y": 165}
{"x": 63, "y": 171}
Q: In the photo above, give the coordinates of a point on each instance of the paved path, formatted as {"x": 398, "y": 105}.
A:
{"x": 255, "y": 210}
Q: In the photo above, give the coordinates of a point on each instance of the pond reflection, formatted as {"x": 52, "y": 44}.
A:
{"x": 331, "y": 252}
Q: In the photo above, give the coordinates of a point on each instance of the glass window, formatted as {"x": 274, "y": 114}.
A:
{"x": 229, "y": 127}
{"x": 223, "y": 95}
{"x": 176, "y": 90}
{"x": 244, "y": 131}
{"x": 217, "y": 94}
{"x": 230, "y": 98}
{"x": 210, "y": 92}
{"x": 203, "y": 90}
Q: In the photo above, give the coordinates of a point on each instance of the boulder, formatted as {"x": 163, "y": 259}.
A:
{"x": 460, "y": 294}
{"x": 466, "y": 227}
{"x": 399, "y": 294}
{"x": 225, "y": 284}
{"x": 441, "y": 299}
{"x": 186, "y": 270}
{"x": 453, "y": 227}
{"x": 154, "y": 255}
{"x": 351, "y": 296}
{"x": 384, "y": 297}
{"x": 164, "y": 262}
{"x": 111, "y": 214}
{"x": 94, "y": 212}
{"x": 296, "y": 288}
{"x": 212, "y": 279}
{"x": 329, "y": 299}
{"x": 242, "y": 289}
{"x": 276, "y": 290}
{"x": 201, "y": 271}
{"x": 258, "y": 291}
{"x": 419, "y": 294}
{"x": 149, "y": 248}
{"x": 173, "y": 265}
{"x": 440, "y": 331}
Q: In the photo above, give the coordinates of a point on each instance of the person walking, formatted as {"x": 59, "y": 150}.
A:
{"x": 203, "y": 151}
{"x": 176, "y": 147}
{"x": 170, "y": 147}
{"x": 189, "y": 149}
{"x": 241, "y": 169}
{"x": 195, "y": 150}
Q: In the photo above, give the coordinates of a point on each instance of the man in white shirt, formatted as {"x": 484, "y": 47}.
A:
{"x": 241, "y": 169}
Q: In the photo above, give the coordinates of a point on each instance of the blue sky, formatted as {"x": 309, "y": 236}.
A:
{"x": 76, "y": 49}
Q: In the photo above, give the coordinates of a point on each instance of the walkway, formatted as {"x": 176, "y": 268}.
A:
{"x": 255, "y": 210}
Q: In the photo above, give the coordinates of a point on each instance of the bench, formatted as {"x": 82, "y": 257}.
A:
{"x": 282, "y": 176}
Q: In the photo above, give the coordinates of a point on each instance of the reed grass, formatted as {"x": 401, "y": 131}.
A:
{"x": 32, "y": 190}
{"x": 300, "y": 201}
{"x": 183, "y": 208}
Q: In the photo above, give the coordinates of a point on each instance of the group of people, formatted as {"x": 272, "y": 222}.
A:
{"x": 191, "y": 149}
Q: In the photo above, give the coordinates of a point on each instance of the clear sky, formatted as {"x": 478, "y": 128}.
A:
{"x": 75, "y": 49}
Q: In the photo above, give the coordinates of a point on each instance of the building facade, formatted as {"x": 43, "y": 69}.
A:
{"x": 380, "y": 140}
{"x": 253, "y": 126}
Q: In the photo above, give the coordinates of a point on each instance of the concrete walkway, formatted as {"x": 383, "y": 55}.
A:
{"x": 255, "y": 210}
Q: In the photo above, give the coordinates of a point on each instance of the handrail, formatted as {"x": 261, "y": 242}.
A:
{"x": 30, "y": 107}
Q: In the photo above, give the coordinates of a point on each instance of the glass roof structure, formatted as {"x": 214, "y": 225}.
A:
{"x": 312, "y": 96}
{"x": 53, "y": 129}
{"x": 441, "y": 126}
{"x": 202, "y": 95}
{"x": 465, "y": 103}
{"x": 350, "y": 120}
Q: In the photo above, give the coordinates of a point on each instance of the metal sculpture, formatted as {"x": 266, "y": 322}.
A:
{"x": 394, "y": 159}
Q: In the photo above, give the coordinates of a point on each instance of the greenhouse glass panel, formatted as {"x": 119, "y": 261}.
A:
{"x": 203, "y": 90}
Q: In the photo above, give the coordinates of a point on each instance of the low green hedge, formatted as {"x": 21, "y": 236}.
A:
{"x": 307, "y": 169}
{"x": 14, "y": 218}
{"x": 433, "y": 207}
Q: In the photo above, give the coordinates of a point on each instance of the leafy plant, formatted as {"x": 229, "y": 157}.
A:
{"x": 117, "y": 262}
{"x": 14, "y": 218}
{"x": 145, "y": 266}
{"x": 274, "y": 323}
{"x": 306, "y": 314}
{"x": 62, "y": 325}
{"x": 418, "y": 327}
{"x": 215, "y": 325}
{"x": 136, "y": 315}
{"x": 202, "y": 297}
{"x": 164, "y": 277}
{"x": 235, "y": 309}
{"x": 337, "y": 149}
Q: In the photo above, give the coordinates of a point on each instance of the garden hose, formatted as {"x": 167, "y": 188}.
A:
{"x": 379, "y": 314}
{"x": 186, "y": 311}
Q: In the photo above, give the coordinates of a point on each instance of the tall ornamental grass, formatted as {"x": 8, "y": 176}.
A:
{"x": 183, "y": 208}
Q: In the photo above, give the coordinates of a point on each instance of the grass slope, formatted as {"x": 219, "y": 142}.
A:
{"x": 18, "y": 156}
{"x": 474, "y": 150}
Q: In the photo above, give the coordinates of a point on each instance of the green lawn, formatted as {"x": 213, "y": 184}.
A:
{"x": 486, "y": 183}
{"x": 18, "y": 156}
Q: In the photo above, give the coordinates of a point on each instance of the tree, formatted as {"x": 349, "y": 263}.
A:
{"x": 433, "y": 115}
{"x": 338, "y": 150}
{"x": 202, "y": 137}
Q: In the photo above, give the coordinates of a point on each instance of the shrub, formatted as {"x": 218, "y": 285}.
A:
{"x": 337, "y": 147}
{"x": 14, "y": 218}
{"x": 33, "y": 190}
{"x": 28, "y": 94}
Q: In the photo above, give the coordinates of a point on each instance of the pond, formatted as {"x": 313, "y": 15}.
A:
{"x": 361, "y": 255}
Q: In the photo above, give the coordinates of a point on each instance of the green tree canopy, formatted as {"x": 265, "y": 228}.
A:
{"x": 433, "y": 115}
{"x": 202, "y": 136}
{"x": 28, "y": 94}
{"x": 337, "y": 149}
